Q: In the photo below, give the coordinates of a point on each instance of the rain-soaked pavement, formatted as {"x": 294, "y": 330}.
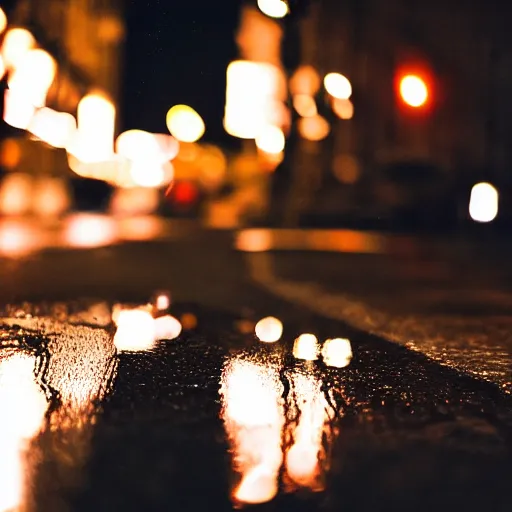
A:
{"x": 216, "y": 419}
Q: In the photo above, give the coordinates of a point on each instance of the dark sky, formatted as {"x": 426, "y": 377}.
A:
{"x": 177, "y": 51}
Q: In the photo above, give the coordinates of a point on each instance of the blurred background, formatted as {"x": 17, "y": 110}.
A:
{"x": 120, "y": 115}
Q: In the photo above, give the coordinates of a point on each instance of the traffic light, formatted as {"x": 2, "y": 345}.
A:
{"x": 414, "y": 88}
{"x": 414, "y": 91}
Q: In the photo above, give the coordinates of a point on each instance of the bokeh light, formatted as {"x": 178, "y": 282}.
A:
{"x": 269, "y": 329}
{"x": 3, "y": 21}
{"x": 15, "y": 194}
{"x": 141, "y": 145}
{"x": 344, "y": 109}
{"x": 18, "y": 111}
{"x": 10, "y": 153}
{"x": 338, "y": 86}
{"x": 185, "y": 124}
{"x": 212, "y": 164}
{"x": 314, "y": 128}
{"x": 271, "y": 140}
{"x": 51, "y": 197}
{"x": 483, "y": 202}
{"x": 54, "y": 128}
{"x": 162, "y": 301}
{"x": 94, "y": 141}
{"x": 167, "y": 328}
{"x": 273, "y": 8}
{"x": 18, "y": 239}
{"x": 305, "y": 80}
{"x": 136, "y": 330}
{"x": 17, "y": 42}
{"x": 254, "y": 94}
{"x": 306, "y": 347}
{"x": 136, "y": 145}
{"x": 134, "y": 201}
{"x": 90, "y": 231}
{"x": 167, "y": 145}
{"x": 33, "y": 76}
{"x": 305, "y": 105}
{"x": 140, "y": 228}
{"x": 337, "y": 352}
{"x": 150, "y": 173}
{"x": 254, "y": 240}
{"x": 414, "y": 91}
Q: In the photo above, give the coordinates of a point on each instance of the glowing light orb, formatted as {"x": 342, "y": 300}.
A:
{"x": 414, "y": 91}
{"x": 185, "y": 124}
{"x": 269, "y": 329}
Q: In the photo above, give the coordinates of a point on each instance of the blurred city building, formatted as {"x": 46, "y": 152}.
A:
{"x": 429, "y": 83}
{"x": 86, "y": 39}
{"x": 462, "y": 53}
{"x": 83, "y": 42}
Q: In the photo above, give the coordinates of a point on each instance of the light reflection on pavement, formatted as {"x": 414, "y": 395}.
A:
{"x": 76, "y": 365}
{"x": 283, "y": 429}
{"x": 254, "y": 427}
{"x": 140, "y": 430}
{"x": 22, "y": 408}
{"x": 312, "y": 432}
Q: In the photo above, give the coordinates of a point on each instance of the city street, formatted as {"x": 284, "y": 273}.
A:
{"x": 255, "y": 255}
{"x": 420, "y": 418}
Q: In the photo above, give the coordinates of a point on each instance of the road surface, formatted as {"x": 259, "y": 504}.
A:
{"x": 216, "y": 419}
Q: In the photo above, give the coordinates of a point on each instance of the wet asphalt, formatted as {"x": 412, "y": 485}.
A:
{"x": 407, "y": 433}
{"x": 402, "y": 432}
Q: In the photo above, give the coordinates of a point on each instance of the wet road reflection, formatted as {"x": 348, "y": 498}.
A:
{"x": 75, "y": 365}
{"x": 23, "y": 406}
{"x": 278, "y": 422}
{"x": 253, "y": 412}
{"x": 310, "y": 433}
{"x": 218, "y": 417}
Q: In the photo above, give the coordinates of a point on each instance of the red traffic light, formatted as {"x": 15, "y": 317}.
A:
{"x": 413, "y": 90}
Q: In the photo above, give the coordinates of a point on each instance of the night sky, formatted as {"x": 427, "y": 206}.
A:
{"x": 177, "y": 51}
